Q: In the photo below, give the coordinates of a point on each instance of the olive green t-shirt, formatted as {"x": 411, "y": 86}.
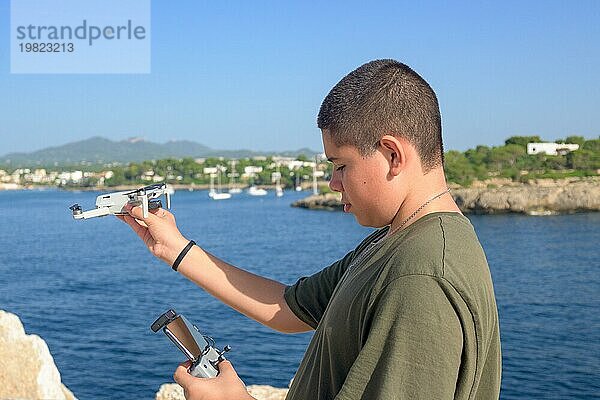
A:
{"x": 409, "y": 316}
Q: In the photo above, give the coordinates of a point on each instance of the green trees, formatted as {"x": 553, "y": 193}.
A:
{"x": 592, "y": 145}
{"x": 580, "y": 140}
{"x": 522, "y": 140}
{"x": 584, "y": 160}
{"x": 512, "y": 161}
{"x": 459, "y": 169}
{"x": 118, "y": 177}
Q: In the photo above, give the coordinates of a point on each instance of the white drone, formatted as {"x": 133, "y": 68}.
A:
{"x": 114, "y": 203}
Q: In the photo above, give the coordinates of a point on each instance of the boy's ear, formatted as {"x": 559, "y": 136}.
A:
{"x": 395, "y": 152}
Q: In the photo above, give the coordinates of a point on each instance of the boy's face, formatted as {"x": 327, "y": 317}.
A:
{"x": 363, "y": 182}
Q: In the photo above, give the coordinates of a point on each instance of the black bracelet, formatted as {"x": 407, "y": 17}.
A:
{"x": 181, "y": 255}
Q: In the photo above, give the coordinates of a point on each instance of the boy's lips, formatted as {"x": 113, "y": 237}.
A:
{"x": 347, "y": 207}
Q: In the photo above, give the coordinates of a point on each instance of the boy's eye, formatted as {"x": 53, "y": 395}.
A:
{"x": 341, "y": 167}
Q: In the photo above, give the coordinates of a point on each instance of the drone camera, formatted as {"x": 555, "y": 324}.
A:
{"x": 197, "y": 348}
{"x": 76, "y": 208}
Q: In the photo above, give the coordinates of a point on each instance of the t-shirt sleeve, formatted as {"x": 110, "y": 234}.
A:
{"x": 309, "y": 296}
{"x": 412, "y": 344}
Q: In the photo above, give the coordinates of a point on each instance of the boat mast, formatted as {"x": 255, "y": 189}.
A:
{"x": 315, "y": 188}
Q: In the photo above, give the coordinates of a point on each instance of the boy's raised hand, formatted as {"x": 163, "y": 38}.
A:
{"x": 158, "y": 231}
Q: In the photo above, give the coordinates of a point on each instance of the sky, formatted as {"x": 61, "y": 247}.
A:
{"x": 252, "y": 75}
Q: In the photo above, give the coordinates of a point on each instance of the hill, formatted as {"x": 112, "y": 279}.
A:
{"x": 98, "y": 150}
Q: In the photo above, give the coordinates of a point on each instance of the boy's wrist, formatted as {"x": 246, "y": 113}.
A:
{"x": 175, "y": 250}
{"x": 182, "y": 254}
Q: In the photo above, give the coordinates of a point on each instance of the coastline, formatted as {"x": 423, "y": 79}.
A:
{"x": 538, "y": 197}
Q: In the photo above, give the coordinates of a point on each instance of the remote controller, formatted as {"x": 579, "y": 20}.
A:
{"x": 199, "y": 349}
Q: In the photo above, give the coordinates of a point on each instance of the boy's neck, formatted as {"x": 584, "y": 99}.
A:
{"x": 428, "y": 193}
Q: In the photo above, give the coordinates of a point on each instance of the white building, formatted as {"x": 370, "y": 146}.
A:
{"x": 69, "y": 177}
{"x": 551, "y": 149}
{"x": 251, "y": 170}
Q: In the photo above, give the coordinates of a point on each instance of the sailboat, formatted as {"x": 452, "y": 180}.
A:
{"x": 255, "y": 191}
{"x": 232, "y": 188}
{"x": 217, "y": 194}
{"x": 278, "y": 188}
{"x": 298, "y": 186}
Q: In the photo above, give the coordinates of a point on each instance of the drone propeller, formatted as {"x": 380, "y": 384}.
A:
{"x": 142, "y": 191}
{"x": 136, "y": 191}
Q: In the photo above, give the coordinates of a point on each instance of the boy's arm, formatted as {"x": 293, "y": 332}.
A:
{"x": 259, "y": 298}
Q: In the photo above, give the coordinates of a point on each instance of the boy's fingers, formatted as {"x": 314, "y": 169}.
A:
{"x": 225, "y": 368}
{"x": 137, "y": 213}
{"x": 181, "y": 375}
{"x": 138, "y": 226}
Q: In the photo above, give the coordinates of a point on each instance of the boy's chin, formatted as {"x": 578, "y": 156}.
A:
{"x": 369, "y": 223}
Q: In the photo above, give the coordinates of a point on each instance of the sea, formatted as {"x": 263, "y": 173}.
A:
{"x": 91, "y": 289}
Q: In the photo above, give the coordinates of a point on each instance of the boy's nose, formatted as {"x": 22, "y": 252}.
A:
{"x": 335, "y": 183}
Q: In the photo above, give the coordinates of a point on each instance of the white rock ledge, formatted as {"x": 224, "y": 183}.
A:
{"x": 172, "y": 391}
{"x": 27, "y": 369}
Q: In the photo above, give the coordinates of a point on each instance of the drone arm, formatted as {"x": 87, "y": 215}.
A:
{"x": 98, "y": 212}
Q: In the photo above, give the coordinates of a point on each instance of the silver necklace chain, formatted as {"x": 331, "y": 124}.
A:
{"x": 411, "y": 216}
{"x": 371, "y": 247}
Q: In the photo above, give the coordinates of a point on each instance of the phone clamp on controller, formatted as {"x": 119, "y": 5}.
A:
{"x": 199, "y": 349}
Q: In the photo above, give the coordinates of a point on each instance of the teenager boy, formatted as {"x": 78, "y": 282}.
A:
{"x": 408, "y": 314}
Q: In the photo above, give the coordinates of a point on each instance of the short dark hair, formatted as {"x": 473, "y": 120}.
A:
{"x": 384, "y": 97}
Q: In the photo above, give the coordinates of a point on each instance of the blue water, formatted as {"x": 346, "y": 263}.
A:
{"x": 91, "y": 290}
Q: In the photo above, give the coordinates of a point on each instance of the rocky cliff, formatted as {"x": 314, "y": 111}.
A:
{"x": 539, "y": 197}
{"x": 543, "y": 196}
{"x": 27, "y": 369}
{"x": 329, "y": 201}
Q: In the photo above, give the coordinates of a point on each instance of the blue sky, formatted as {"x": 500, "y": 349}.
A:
{"x": 252, "y": 75}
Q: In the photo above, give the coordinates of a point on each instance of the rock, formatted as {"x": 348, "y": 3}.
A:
{"x": 27, "y": 369}
{"x": 265, "y": 392}
{"x": 541, "y": 198}
{"x": 172, "y": 391}
{"x": 492, "y": 182}
{"x": 329, "y": 201}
